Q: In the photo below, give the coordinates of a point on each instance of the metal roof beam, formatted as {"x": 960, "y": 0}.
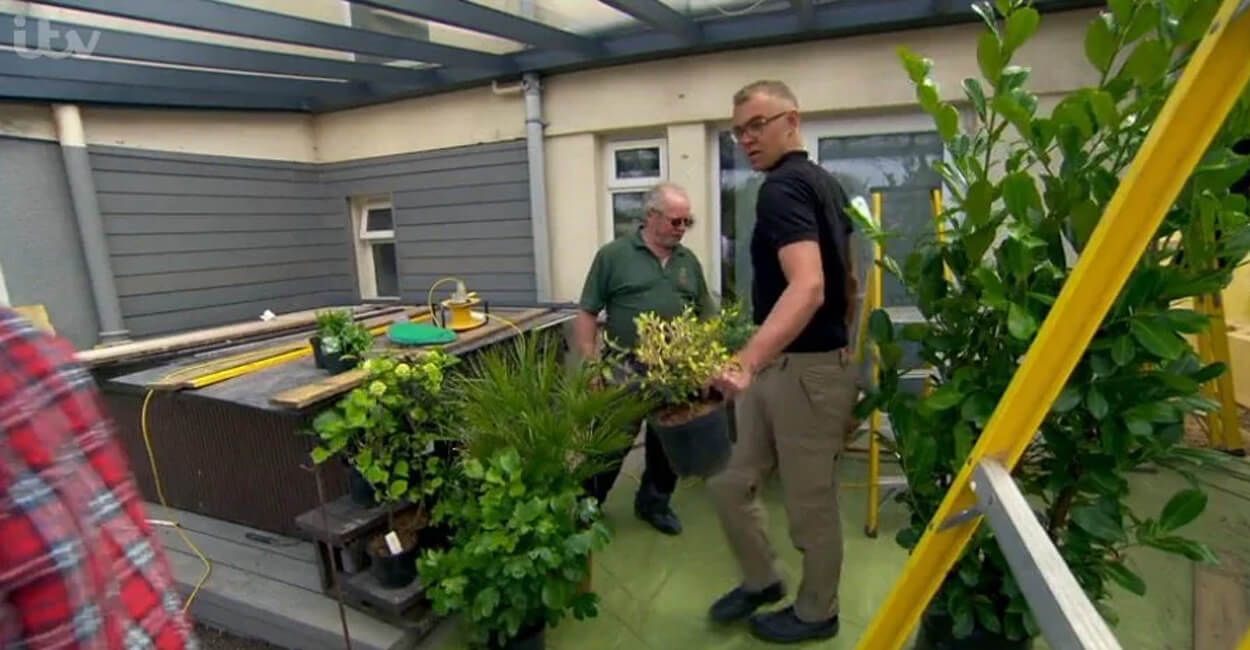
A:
{"x": 130, "y": 74}
{"x": 660, "y": 16}
{"x": 479, "y": 18}
{"x": 237, "y": 20}
{"x": 805, "y": 11}
{"x": 106, "y": 93}
{"x": 157, "y": 49}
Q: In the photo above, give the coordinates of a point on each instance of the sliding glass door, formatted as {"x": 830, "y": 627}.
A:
{"x": 899, "y": 165}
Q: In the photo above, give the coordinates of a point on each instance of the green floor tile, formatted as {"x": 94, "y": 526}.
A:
{"x": 656, "y": 589}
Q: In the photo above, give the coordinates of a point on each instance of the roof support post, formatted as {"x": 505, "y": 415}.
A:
{"x": 534, "y": 127}
{"x": 70, "y": 133}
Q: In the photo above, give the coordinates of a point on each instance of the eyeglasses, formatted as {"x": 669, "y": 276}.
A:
{"x": 676, "y": 222}
{"x": 755, "y": 126}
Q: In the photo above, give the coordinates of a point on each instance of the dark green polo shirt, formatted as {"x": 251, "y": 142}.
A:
{"x": 626, "y": 279}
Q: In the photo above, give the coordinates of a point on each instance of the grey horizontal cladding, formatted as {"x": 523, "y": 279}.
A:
{"x": 142, "y": 224}
{"x": 223, "y": 241}
{"x": 418, "y": 265}
{"x": 460, "y": 212}
{"x": 462, "y": 195}
{"x": 172, "y": 182}
{"x": 171, "y": 301}
{"x": 200, "y": 240}
{"x": 124, "y": 265}
{"x": 467, "y": 212}
{"x": 162, "y": 204}
{"x": 450, "y": 233}
{"x": 447, "y": 179}
{"x": 229, "y": 277}
{"x": 483, "y": 283}
{"x": 499, "y": 246}
{"x": 232, "y": 313}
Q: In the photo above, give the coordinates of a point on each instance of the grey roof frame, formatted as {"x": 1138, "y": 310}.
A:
{"x": 136, "y": 69}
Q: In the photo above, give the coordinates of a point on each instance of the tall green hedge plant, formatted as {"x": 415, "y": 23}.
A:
{"x": 1026, "y": 190}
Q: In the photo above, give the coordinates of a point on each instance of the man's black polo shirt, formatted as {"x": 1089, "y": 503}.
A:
{"x": 800, "y": 201}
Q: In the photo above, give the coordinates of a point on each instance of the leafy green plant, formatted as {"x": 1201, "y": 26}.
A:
{"x": 737, "y": 326}
{"x": 1026, "y": 192}
{"x": 340, "y": 335}
{"x": 390, "y": 425}
{"x": 522, "y": 543}
{"x": 678, "y": 357}
{"x": 559, "y": 419}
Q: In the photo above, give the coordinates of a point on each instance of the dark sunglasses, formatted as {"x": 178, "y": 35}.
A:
{"x": 678, "y": 223}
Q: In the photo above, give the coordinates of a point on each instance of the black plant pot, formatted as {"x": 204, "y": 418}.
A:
{"x": 936, "y": 633}
{"x": 528, "y": 638}
{"x": 394, "y": 571}
{"x": 333, "y": 363}
{"x": 319, "y": 357}
{"x": 731, "y": 413}
{"x": 359, "y": 490}
{"x": 700, "y": 447}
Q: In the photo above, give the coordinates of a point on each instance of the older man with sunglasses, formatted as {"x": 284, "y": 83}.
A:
{"x": 647, "y": 270}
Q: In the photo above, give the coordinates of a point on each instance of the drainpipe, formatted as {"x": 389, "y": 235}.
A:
{"x": 538, "y": 184}
{"x": 4, "y": 290}
{"x": 90, "y": 225}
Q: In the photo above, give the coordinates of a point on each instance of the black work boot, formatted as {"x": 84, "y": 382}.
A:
{"x": 740, "y": 603}
{"x": 784, "y": 626}
{"x": 653, "y": 508}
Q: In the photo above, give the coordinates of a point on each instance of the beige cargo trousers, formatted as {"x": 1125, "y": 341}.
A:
{"x": 794, "y": 418}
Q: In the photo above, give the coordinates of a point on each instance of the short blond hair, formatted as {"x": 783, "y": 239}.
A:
{"x": 770, "y": 87}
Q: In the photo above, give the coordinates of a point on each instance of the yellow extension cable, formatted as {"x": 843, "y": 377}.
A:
{"x": 160, "y": 493}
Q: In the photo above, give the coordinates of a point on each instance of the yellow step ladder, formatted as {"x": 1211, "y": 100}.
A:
{"x": 878, "y": 426}
{"x": 1206, "y": 92}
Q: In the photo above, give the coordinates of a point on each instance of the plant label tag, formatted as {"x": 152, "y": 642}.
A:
{"x": 392, "y": 542}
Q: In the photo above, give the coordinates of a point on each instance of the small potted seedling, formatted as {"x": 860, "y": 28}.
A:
{"x": 340, "y": 343}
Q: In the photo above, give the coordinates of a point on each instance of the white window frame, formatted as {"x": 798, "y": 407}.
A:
{"x": 364, "y": 240}
{"x": 616, "y": 185}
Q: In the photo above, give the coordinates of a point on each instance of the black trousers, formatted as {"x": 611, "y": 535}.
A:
{"x": 658, "y": 478}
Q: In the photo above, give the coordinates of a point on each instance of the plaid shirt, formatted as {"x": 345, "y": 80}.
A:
{"x": 79, "y": 564}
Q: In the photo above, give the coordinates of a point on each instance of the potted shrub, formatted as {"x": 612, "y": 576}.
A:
{"x": 1037, "y": 185}
{"x": 390, "y": 429}
{"x": 521, "y": 548}
{"x": 678, "y": 357}
{"x": 559, "y": 420}
{"x": 340, "y": 343}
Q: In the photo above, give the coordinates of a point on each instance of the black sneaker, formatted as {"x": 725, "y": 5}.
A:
{"x": 784, "y": 626}
{"x": 662, "y": 518}
{"x": 740, "y": 603}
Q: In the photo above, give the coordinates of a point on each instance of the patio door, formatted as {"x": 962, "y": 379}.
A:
{"x": 896, "y": 163}
{"x": 900, "y": 167}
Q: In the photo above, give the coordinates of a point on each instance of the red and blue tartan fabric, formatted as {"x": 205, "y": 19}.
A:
{"x": 80, "y": 567}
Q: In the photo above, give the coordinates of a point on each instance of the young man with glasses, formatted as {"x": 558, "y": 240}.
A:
{"x": 793, "y": 383}
{"x": 648, "y": 270}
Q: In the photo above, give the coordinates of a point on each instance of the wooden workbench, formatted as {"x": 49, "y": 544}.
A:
{"x": 238, "y": 450}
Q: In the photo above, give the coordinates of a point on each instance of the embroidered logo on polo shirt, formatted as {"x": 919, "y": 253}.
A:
{"x": 683, "y": 280}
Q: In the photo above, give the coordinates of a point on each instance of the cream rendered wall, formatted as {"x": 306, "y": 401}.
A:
{"x": 572, "y": 198}
{"x": 472, "y": 116}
